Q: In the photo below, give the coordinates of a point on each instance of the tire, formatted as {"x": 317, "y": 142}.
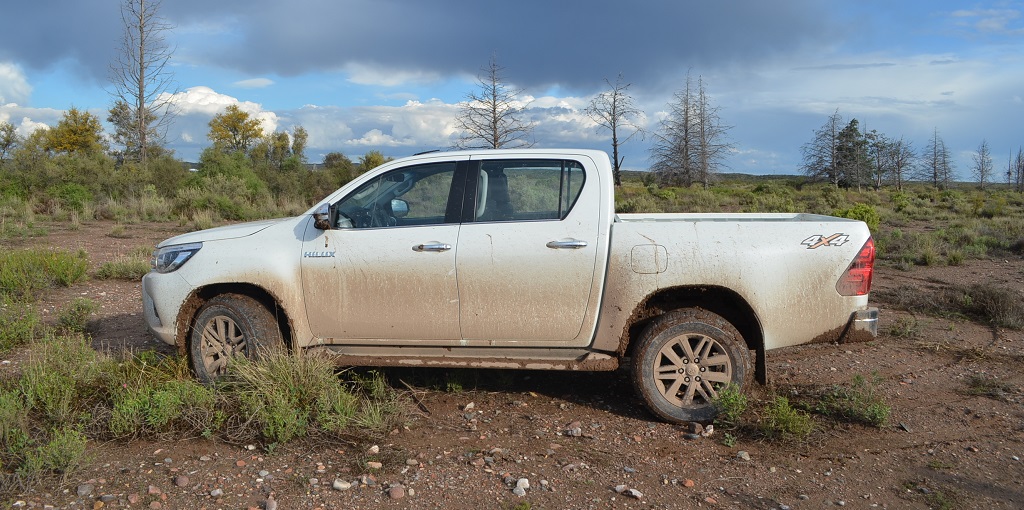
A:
{"x": 684, "y": 358}
{"x": 230, "y": 325}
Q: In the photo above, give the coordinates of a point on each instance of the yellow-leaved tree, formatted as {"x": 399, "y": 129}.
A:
{"x": 235, "y": 130}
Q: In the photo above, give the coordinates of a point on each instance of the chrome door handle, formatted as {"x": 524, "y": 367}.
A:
{"x": 432, "y": 247}
{"x": 572, "y": 244}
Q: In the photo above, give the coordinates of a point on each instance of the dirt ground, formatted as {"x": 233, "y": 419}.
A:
{"x": 943, "y": 448}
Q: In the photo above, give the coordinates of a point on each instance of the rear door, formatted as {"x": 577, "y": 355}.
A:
{"x": 528, "y": 252}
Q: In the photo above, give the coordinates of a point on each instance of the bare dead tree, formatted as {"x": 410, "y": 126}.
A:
{"x": 710, "y": 134}
{"x": 821, "y": 155}
{"x": 982, "y": 164}
{"x": 901, "y": 157}
{"x": 493, "y": 116}
{"x": 674, "y": 142}
{"x": 615, "y": 111}
{"x": 936, "y": 162}
{"x": 143, "y": 81}
{"x": 1018, "y": 170}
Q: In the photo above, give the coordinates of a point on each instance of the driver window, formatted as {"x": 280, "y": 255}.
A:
{"x": 416, "y": 195}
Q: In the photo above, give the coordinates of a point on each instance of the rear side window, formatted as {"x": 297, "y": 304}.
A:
{"x": 527, "y": 190}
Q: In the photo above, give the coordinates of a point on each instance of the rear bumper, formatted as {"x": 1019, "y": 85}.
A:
{"x": 863, "y": 326}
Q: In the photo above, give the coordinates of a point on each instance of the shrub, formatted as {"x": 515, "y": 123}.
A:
{"x": 862, "y": 212}
{"x": 123, "y": 268}
{"x": 780, "y": 420}
{"x": 55, "y": 380}
{"x": 857, "y": 403}
{"x": 19, "y": 323}
{"x": 25, "y": 273}
{"x": 731, "y": 404}
{"x": 75, "y": 316}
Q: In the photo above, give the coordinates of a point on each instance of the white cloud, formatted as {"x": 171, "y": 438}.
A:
{"x": 365, "y": 74}
{"x": 254, "y": 83}
{"x": 205, "y": 101}
{"x": 14, "y": 88}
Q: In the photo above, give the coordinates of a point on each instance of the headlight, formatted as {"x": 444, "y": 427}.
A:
{"x": 170, "y": 258}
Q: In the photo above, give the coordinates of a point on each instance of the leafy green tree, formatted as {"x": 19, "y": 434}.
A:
{"x": 78, "y": 131}
{"x": 235, "y": 130}
{"x": 8, "y": 139}
{"x": 299, "y": 140}
{"x": 126, "y": 131}
{"x": 852, "y": 158}
{"x": 339, "y": 167}
{"x": 371, "y": 160}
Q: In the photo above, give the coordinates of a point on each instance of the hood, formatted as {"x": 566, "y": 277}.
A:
{"x": 221, "y": 233}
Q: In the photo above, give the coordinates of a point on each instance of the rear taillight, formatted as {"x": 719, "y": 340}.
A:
{"x": 856, "y": 281}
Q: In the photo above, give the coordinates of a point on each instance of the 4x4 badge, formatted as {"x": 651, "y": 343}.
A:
{"x": 832, "y": 240}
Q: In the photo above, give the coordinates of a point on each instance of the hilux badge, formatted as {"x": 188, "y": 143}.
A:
{"x": 317, "y": 254}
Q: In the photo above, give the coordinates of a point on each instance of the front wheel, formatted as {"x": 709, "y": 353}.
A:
{"x": 230, "y": 325}
{"x": 684, "y": 359}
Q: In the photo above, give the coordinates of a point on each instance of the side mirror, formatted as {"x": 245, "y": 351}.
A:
{"x": 322, "y": 217}
{"x": 399, "y": 208}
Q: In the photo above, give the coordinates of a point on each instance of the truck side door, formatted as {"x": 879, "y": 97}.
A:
{"x": 386, "y": 268}
{"x": 527, "y": 253}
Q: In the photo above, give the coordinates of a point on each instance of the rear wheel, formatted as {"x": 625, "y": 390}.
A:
{"x": 684, "y": 359}
{"x": 226, "y": 326}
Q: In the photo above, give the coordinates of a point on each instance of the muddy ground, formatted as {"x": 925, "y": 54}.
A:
{"x": 946, "y": 445}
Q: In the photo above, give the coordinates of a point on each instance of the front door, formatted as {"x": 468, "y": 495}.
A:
{"x": 386, "y": 269}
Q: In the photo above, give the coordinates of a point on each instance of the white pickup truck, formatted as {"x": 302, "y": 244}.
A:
{"x": 516, "y": 259}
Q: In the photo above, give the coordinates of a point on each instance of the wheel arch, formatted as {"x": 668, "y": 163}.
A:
{"x": 190, "y": 308}
{"x": 719, "y": 300}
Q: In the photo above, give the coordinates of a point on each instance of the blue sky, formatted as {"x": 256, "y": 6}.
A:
{"x": 388, "y": 75}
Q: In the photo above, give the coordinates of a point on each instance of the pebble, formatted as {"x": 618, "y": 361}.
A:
{"x": 629, "y": 470}
{"x": 85, "y": 489}
{"x": 205, "y": 458}
{"x": 743, "y": 455}
{"x": 412, "y": 462}
{"x": 519, "y": 491}
{"x": 523, "y": 483}
{"x": 271, "y": 504}
{"x": 374, "y": 450}
{"x": 153, "y": 490}
{"x": 107, "y": 498}
{"x": 374, "y": 465}
{"x": 264, "y": 473}
{"x": 396, "y": 492}
{"x": 314, "y": 481}
{"x": 633, "y": 493}
{"x": 619, "y": 489}
{"x": 181, "y": 481}
{"x": 341, "y": 485}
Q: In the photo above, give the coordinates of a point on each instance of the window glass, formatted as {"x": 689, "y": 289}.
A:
{"x": 523, "y": 190}
{"x": 415, "y": 195}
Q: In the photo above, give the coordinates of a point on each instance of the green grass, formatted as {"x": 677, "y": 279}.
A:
{"x": 26, "y": 273}
{"x": 859, "y": 402}
{"x": 780, "y": 420}
{"x": 731, "y": 404}
{"x": 124, "y": 268}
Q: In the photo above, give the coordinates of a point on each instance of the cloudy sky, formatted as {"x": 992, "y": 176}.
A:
{"x": 388, "y": 75}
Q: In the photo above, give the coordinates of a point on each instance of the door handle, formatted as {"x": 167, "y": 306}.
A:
{"x": 572, "y": 244}
{"x": 432, "y": 247}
